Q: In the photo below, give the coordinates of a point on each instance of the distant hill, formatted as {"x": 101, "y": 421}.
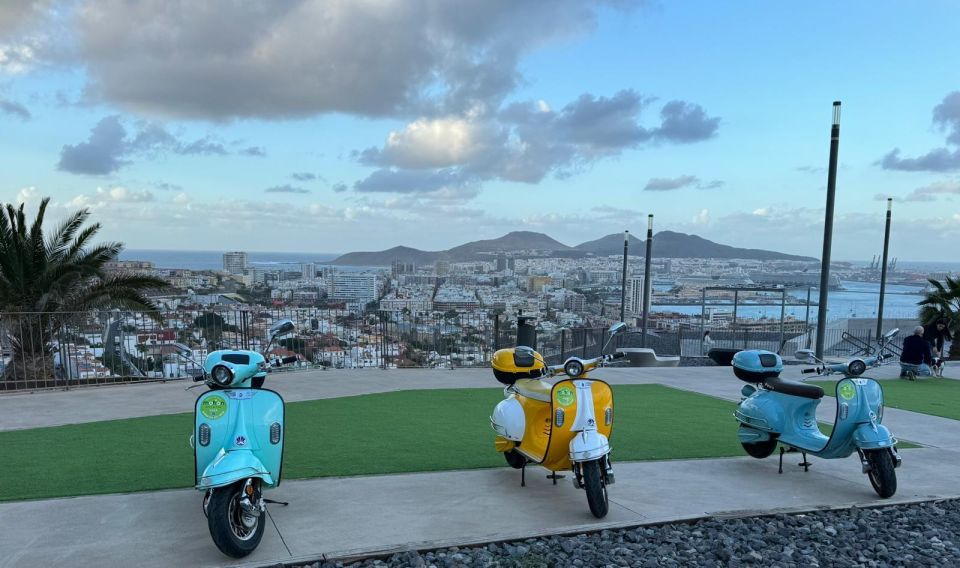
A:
{"x": 670, "y": 244}
{"x": 666, "y": 244}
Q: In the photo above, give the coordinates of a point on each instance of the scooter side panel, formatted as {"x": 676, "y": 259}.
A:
{"x": 240, "y": 421}
{"x": 536, "y": 433}
{"x": 793, "y": 418}
{"x": 858, "y": 423}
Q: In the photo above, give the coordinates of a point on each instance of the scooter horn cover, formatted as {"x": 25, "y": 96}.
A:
{"x": 755, "y": 366}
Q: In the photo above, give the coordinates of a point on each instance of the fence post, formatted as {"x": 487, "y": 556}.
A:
{"x": 679, "y": 342}
{"x": 563, "y": 344}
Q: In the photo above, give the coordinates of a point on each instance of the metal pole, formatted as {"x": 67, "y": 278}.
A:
{"x": 828, "y": 230}
{"x": 703, "y": 316}
{"x": 623, "y": 280}
{"x": 783, "y": 314}
{"x": 883, "y": 269}
{"x": 806, "y": 321}
{"x": 646, "y": 279}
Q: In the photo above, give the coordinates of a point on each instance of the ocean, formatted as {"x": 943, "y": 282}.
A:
{"x": 213, "y": 260}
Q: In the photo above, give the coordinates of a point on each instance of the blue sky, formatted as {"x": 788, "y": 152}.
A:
{"x": 429, "y": 123}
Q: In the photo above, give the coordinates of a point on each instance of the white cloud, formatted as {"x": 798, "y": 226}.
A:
{"x": 26, "y": 194}
{"x": 702, "y": 218}
{"x": 435, "y": 143}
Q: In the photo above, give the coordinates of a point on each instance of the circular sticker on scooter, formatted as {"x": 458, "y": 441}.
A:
{"x": 565, "y": 396}
{"x": 213, "y": 407}
{"x": 847, "y": 391}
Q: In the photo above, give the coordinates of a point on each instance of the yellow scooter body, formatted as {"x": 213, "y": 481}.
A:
{"x": 546, "y": 443}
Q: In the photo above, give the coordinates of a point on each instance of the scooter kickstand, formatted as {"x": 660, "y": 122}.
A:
{"x": 553, "y": 475}
{"x": 272, "y": 502}
{"x": 781, "y": 460}
{"x": 805, "y": 464}
{"x": 523, "y": 476}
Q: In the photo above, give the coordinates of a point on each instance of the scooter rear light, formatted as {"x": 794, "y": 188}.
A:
{"x": 608, "y": 416}
{"x": 559, "y": 417}
{"x": 275, "y": 433}
{"x": 204, "y": 437}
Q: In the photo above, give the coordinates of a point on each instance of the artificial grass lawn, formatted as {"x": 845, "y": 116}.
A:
{"x": 928, "y": 395}
{"x": 406, "y": 431}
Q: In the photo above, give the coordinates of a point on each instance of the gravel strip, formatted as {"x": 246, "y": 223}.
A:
{"x": 925, "y": 534}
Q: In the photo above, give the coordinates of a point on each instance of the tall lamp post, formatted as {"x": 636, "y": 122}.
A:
{"x": 828, "y": 230}
{"x": 883, "y": 269}
{"x": 646, "y": 279}
{"x": 623, "y": 280}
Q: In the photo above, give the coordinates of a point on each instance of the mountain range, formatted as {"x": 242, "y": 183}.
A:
{"x": 666, "y": 244}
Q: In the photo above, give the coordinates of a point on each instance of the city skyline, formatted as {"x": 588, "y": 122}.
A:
{"x": 344, "y": 126}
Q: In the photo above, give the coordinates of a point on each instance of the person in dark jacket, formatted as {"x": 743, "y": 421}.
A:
{"x": 916, "y": 356}
{"x": 935, "y": 334}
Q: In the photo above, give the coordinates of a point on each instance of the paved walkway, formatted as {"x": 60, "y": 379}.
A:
{"x": 347, "y": 516}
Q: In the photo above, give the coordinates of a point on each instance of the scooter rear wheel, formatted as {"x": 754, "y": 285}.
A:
{"x": 515, "y": 459}
{"x": 760, "y": 450}
{"x": 595, "y": 487}
{"x": 882, "y": 475}
{"x": 226, "y": 521}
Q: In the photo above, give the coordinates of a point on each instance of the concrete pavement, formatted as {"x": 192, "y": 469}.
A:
{"x": 361, "y": 515}
{"x": 340, "y": 517}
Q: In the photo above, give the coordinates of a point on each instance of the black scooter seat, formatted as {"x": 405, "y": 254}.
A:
{"x": 794, "y": 388}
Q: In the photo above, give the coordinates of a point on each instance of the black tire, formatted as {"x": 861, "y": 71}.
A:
{"x": 257, "y": 382}
{"x": 228, "y": 532}
{"x": 515, "y": 459}
{"x": 760, "y": 450}
{"x": 595, "y": 487}
{"x": 883, "y": 476}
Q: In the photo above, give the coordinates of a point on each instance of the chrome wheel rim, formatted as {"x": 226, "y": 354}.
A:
{"x": 236, "y": 517}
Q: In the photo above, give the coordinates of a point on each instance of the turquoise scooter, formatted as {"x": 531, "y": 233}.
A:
{"x": 779, "y": 411}
{"x": 238, "y": 444}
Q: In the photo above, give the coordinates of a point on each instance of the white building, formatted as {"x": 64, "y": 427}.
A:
{"x": 634, "y": 295}
{"x": 235, "y": 262}
{"x": 356, "y": 286}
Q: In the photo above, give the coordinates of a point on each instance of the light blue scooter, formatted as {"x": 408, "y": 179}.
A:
{"x": 776, "y": 410}
{"x": 238, "y": 444}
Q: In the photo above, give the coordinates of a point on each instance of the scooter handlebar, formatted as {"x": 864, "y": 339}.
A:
{"x": 618, "y": 355}
{"x": 807, "y": 371}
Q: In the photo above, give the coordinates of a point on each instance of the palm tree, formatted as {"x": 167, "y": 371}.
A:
{"x": 44, "y": 278}
{"x": 943, "y": 302}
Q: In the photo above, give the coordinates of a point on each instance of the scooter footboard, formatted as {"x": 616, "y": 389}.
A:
{"x": 588, "y": 445}
{"x": 873, "y": 437}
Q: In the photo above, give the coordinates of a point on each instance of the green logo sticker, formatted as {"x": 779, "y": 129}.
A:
{"x": 847, "y": 391}
{"x": 565, "y": 396}
{"x": 213, "y": 407}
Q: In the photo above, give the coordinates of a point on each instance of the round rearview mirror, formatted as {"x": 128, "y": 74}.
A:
{"x": 573, "y": 368}
{"x": 281, "y": 327}
{"x": 616, "y": 328}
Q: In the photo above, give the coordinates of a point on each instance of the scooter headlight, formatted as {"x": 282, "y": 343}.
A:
{"x": 222, "y": 375}
{"x": 573, "y": 368}
{"x": 856, "y": 367}
{"x": 204, "y": 434}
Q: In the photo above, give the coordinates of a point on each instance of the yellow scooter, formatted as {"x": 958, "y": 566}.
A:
{"x": 561, "y": 424}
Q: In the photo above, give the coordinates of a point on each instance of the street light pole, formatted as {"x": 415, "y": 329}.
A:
{"x": 623, "y": 280}
{"x": 828, "y": 230}
{"x": 883, "y": 269}
{"x": 646, "y": 279}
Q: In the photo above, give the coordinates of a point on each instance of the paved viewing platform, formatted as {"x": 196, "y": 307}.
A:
{"x": 349, "y": 516}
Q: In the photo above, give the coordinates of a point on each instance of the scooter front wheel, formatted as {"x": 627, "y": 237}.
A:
{"x": 595, "y": 487}
{"x": 883, "y": 476}
{"x": 235, "y": 531}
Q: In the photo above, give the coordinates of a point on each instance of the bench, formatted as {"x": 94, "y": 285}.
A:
{"x": 646, "y": 357}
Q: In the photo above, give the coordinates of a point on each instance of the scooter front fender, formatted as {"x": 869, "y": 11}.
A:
{"x": 230, "y": 467}
{"x": 588, "y": 445}
{"x": 872, "y": 436}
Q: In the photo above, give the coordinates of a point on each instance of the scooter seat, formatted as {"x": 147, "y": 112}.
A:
{"x": 793, "y": 388}
{"x": 537, "y": 389}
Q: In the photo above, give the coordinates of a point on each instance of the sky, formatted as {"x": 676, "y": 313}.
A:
{"x": 343, "y": 125}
